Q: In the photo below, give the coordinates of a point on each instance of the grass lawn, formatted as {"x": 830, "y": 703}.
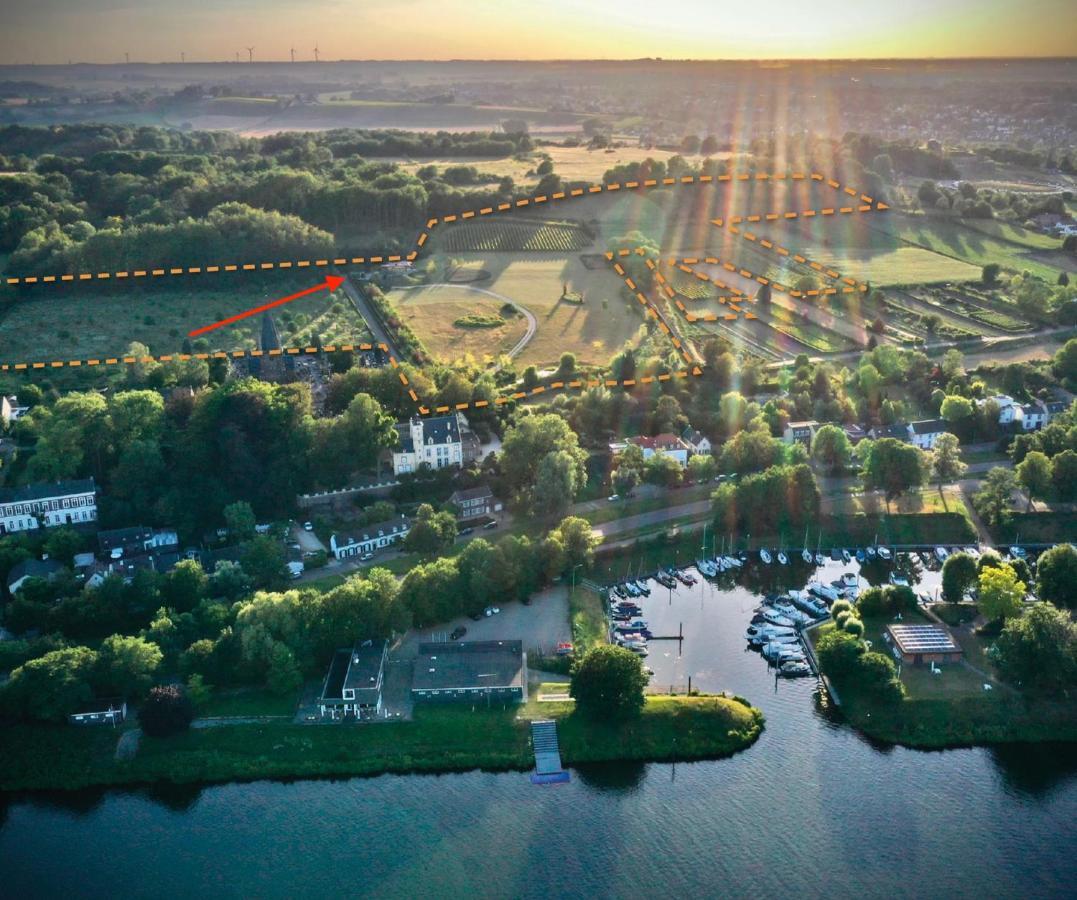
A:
{"x": 248, "y": 702}
{"x": 71, "y": 324}
{"x": 593, "y": 330}
{"x": 432, "y": 314}
{"x": 439, "y": 739}
{"x": 625, "y": 508}
{"x": 1036, "y": 528}
{"x": 924, "y": 502}
{"x": 898, "y": 265}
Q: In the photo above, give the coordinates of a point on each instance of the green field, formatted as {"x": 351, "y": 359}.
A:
{"x": 900, "y": 265}
{"x": 62, "y": 324}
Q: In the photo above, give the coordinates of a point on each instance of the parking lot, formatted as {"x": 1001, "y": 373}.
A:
{"x": 540, "y": 626}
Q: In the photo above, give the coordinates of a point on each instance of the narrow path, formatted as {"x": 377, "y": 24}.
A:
{"x": 981, "y": 529}
{"x": 532, "y": 322}
{"x": 127, "y": 745}
{"x": 373, "y": 322}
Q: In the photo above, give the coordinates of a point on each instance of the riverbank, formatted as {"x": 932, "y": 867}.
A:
{"x": 962, "y": 721}
{"x": 439, "y": 739}
{"x": 953, "y": 709}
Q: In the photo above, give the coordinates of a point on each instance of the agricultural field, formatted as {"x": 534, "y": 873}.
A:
{"x": 58, "y": 324}
{"x": 451, "y": 320}
{"x": 902, "y": 265}
{"x": 516, "y": 234}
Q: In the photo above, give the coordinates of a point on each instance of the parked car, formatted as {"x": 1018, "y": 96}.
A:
{"x": 366, "y": 557}
{"x": 613, "y": 498}
{"x": 490, "y": 525}
{"x": 457, "y": 633}
{"x": 308, "y": 526}
{"x": 464, "y": 531}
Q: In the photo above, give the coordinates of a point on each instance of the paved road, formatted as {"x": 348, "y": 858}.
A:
{"x": 380, "y": 334}
{"x": 655, "y": 517}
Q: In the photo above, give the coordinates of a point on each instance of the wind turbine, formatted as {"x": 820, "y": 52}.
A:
{"x": 237, "y": 56}
{"x": 183, "y": 57}
{"x": 316, "y": 53}
{"x": 250, "y": 54}
{"x": 293, "y": 54}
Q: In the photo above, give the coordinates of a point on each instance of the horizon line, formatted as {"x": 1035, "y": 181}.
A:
{"x": 551, "y": 60}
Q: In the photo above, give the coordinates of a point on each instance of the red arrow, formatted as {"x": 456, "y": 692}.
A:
{"x": 332, "y": 282}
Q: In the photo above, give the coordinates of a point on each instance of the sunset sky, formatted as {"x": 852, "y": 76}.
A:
{"x": 46, "y": 31}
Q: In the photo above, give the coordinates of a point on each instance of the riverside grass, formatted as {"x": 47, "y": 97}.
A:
{"x": 439, "y": 739}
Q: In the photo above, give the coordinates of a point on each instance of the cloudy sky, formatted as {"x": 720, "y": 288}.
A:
{"x": 45, "y": 31}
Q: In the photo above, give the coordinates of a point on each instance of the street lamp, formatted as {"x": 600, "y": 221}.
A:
{"x": 574, "y": 568}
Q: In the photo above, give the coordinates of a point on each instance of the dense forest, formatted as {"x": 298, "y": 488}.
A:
{"x": 109, "y": 197}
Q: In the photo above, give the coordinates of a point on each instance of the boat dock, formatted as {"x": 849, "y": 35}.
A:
{"x": 548, "y": 768}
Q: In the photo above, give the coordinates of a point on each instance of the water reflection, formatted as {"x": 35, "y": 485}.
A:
{"x": 1035, "y": 770}
{"x": 622, "y": 778}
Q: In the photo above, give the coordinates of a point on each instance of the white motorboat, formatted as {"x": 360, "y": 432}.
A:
{"x": 849, "y": 579}
{"x": 767, "y": 629}
{"x": 820, "y": 560}
{"x": 643, "y": 587}
{"x": 781, "y": 652}
{"x": 793, "y": 668}
{"x": 766, "y": 557}
{"x": 823, "y": 591}
{"x": 706, "y": 567}
{"x": 884, "y": 554}
{"x": 776, "y": 618}
{"x": 782, "y": 558}
{"x": 1018, "y": 552}
{"x": 631, "y": 589}
{"x": 732, "y": 562}
{"x": 788, "y": 640}
{"x": 941, "y": 554}
{"x": 807, "y": 556}
{"x": 793, "y": 614}
{"x": 846, "y": 557}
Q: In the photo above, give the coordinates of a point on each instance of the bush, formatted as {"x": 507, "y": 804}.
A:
{"x": 840, "y": 605}
{"x": 838, "y": 653}
{"x": 478, "y": 320}
{"x": 842, "y": 617}
{"x": 167, "y": 710}
{"x": 854, "y": 627}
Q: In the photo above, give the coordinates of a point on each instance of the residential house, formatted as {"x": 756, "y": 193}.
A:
{"x": 10, "y": 409}
{"x": 1032, "y": 416}
{"x": 48, "y": 505}
{"x": 800, "y": 432}
{"x": 134, "y": 541}
{"x": 1008, "y": 408}
{"x": 470, "y": 671}
{"x": 855, "y": 433}
{"x": 899, "y": 431}
{"x": 32, "y": 568}
{"x": 475, "y": 503}
{"x": 434, "y": 442}
{"x": 1053, "y": 408}
{"x": 696, "y": 441}
{"x": 667, "y": 444}
{"x": 352, "y": 686}
{"x": 369, "y": 538}
{"x": 926, "y": 432}
{"x": 103, "y": 711}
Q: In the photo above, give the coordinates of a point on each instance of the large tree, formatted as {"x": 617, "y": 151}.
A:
{"x": 1001, "y": 593}
{"x": 959, "y": 573}
{"x": 946, "y": 464}
{"x": 1056, "y": 576}
{"x": 608, "y": 683}
{"x": 526, "y": 445}
{"x": 894, "y": 467}
{"x": 1034, "y": 474}
{"x": 993, "y": 499}
{"x": 126, "y": 665}
{"x": 831, "y": 448}
{"x": 1039, "y": 649}
{"x": 557, "y": 482}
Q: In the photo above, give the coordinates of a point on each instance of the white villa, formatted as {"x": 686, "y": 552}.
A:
{"x": 435, "y": 442}
{"x": 48, "y": 505}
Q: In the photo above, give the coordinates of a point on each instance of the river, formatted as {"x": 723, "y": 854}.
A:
{"x": 811, "y": 809}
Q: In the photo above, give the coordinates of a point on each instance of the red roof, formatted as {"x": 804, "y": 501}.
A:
{"x": 658, "y": 442}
